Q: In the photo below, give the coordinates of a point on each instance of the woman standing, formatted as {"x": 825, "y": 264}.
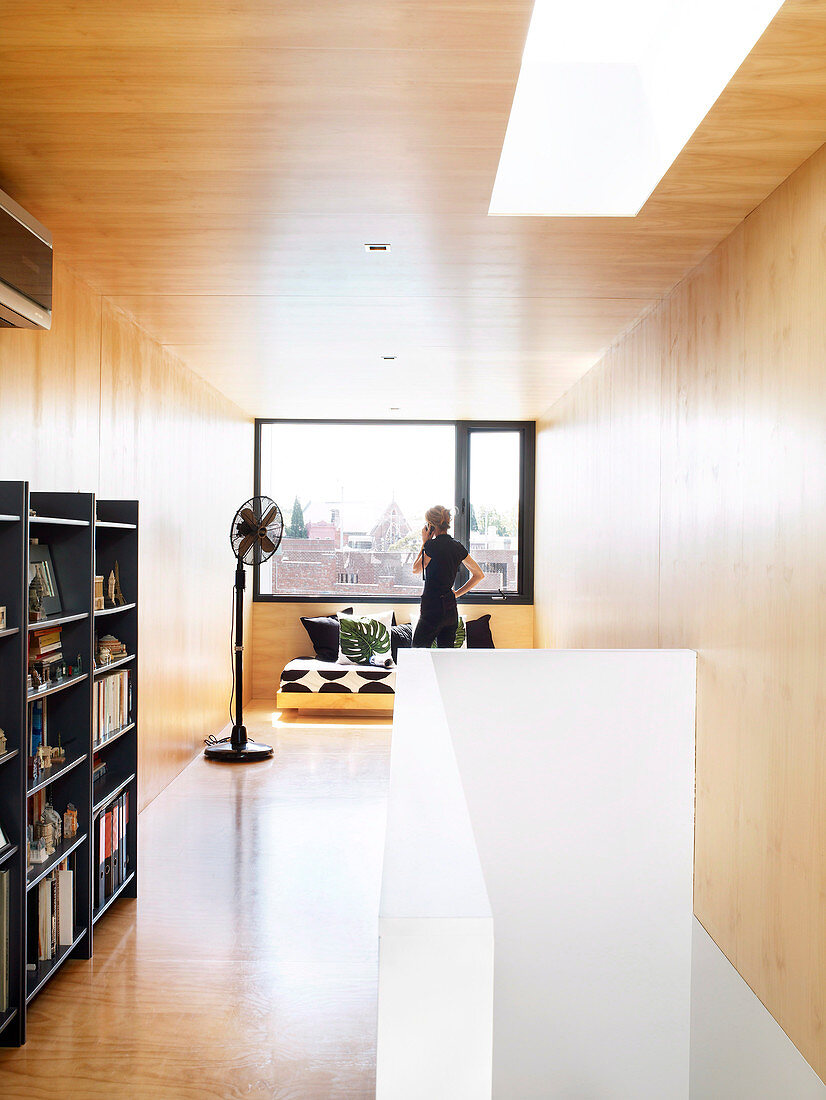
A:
{"x": 439, "y": 560}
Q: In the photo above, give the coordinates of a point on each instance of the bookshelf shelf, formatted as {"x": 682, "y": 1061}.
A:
{"x": 59, "y": 620}
{"x": 10, "y": 755}
{"x": 102, "y": 909}
{"x": 114, "y": 610}
{"x": 58, "y": 521}
{"x": 109, "y": 791}
{"x": 36, "y": 979}
{"x": 55, "y": 772}
{"x": 113, "y": 665}
{"x": 61, "y": 685}
{"x": 6, "y": 852}
{"x": 86, "y": 538}
{"x": 40, "y": 871}
{"x": 114, "y": 736}
{"x": 6, "y": 1018}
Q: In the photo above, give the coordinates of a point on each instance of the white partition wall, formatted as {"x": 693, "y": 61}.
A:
{"x": 435, "y": 1023}
{"x": 575, "y": 771}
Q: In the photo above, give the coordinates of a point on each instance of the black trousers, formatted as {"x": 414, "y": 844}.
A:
{"x": 438, "y": 622}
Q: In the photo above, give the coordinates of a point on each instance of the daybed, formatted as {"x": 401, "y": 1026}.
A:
{"x": 323, "y": 683}
{"x": 310, "y": 684}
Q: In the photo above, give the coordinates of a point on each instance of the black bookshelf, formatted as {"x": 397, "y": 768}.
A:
{"x": 14, "y": 497}
{"x": 84, "y": 537}
{"x": 116, "y": 540}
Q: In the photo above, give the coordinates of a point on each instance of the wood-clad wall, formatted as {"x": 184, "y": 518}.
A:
{"x": 682, "y": 502}
{"x": 278, "y": 636}
{"x": 95, "y": 405}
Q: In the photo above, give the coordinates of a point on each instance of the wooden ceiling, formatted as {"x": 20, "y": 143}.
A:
{"x": 215, "y": 168}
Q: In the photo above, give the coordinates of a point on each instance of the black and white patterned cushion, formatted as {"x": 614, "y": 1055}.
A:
{"x": 308, "y": 675}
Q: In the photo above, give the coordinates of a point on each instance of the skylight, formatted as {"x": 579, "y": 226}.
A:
{"x": 609, "y": 93}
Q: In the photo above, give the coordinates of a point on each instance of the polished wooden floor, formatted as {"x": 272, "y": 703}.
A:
{"x": 248, "y": 966}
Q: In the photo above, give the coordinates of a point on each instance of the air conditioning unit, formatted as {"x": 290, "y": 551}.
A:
{"x": 25, "y": 268}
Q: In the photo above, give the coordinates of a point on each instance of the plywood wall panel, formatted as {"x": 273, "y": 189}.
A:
{"x": 50, "y": 392}
{"x": 165, "y": 438}
{"x": 278, "y": 636}
{"x": 735, "y": 358}
{"x": 589, "y": 492}
{"x": 96, "y": 405}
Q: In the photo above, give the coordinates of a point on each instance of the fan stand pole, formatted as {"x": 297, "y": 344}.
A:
{"x": 238, "y": 740}
{"x": 239, "y": 750}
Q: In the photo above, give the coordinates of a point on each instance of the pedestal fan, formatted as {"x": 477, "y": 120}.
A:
{"x": 255, "y": 535}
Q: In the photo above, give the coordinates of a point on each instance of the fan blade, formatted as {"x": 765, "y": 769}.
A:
{"x": 267, "y": 546}
{"x": 245, "y": 544}
{"x": 248, "y": 515}
{"x": 270, "y": 516}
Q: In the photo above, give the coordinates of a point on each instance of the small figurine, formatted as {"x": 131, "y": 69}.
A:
{"x": 2, "y": 742}
{"x": 37, "y": 852}
{"x": 55, "y": 822}
{"x": 36, "y": 593}
{"x": 119, "y": 600}
{"x": 78, "y": 665}
{"x": 58, "y": 752}
{"x": 44, "y": 758}
{"x": 35, "y": 678}
{"x": 70, "y": 822}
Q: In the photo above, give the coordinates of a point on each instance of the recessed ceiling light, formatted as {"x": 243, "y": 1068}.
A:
{"x": 394, "y": 408}
{"x": 388, "y": 358}
{"x": 609, "y": 94}
{"x": 377, "y": 248}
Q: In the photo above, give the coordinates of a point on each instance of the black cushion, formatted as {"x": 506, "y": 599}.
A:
{"x": 401, "y": 637}
{"x": 323, "y": 631}
{"x": 478, "y": 633}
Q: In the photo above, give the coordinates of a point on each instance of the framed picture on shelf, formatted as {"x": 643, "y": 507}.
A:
{"x": 41, "y": 567}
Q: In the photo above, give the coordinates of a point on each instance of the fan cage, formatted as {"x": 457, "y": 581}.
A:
{"x": 256, "y": 530}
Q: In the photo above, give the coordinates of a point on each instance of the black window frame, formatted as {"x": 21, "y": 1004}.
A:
{"x": 461, "y": 520}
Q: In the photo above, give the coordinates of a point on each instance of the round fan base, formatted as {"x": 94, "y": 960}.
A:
{"x": 250, "y": 753}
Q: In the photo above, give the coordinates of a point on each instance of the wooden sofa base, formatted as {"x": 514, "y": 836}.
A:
{"x": 305, "y": 702}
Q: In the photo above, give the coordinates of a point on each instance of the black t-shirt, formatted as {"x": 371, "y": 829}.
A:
{"x": 446, "y": 554}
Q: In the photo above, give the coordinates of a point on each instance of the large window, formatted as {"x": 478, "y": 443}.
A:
{"x": 354, "y": 494}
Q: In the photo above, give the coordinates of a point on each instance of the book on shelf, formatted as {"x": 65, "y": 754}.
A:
{"x": 111, "y": 705}
{"x": 38, "y": 726}
{"x": 5, "y": 921}
{"x": 99, "y": 769}
{"x": 45, "y": 647}
{"x": 51, "y": 914}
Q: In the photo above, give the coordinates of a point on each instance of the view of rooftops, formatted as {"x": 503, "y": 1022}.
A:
{"x": 355, "y": 501}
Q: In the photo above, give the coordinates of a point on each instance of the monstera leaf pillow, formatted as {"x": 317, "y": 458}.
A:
{"x": 364, "y": 640}
{"x": 461, "y": 636}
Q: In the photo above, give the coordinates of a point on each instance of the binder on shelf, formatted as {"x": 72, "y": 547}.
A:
{"x": 124, "y": 859}
{"x": 101, "y": 858}
{"x": 108, "y": 867}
